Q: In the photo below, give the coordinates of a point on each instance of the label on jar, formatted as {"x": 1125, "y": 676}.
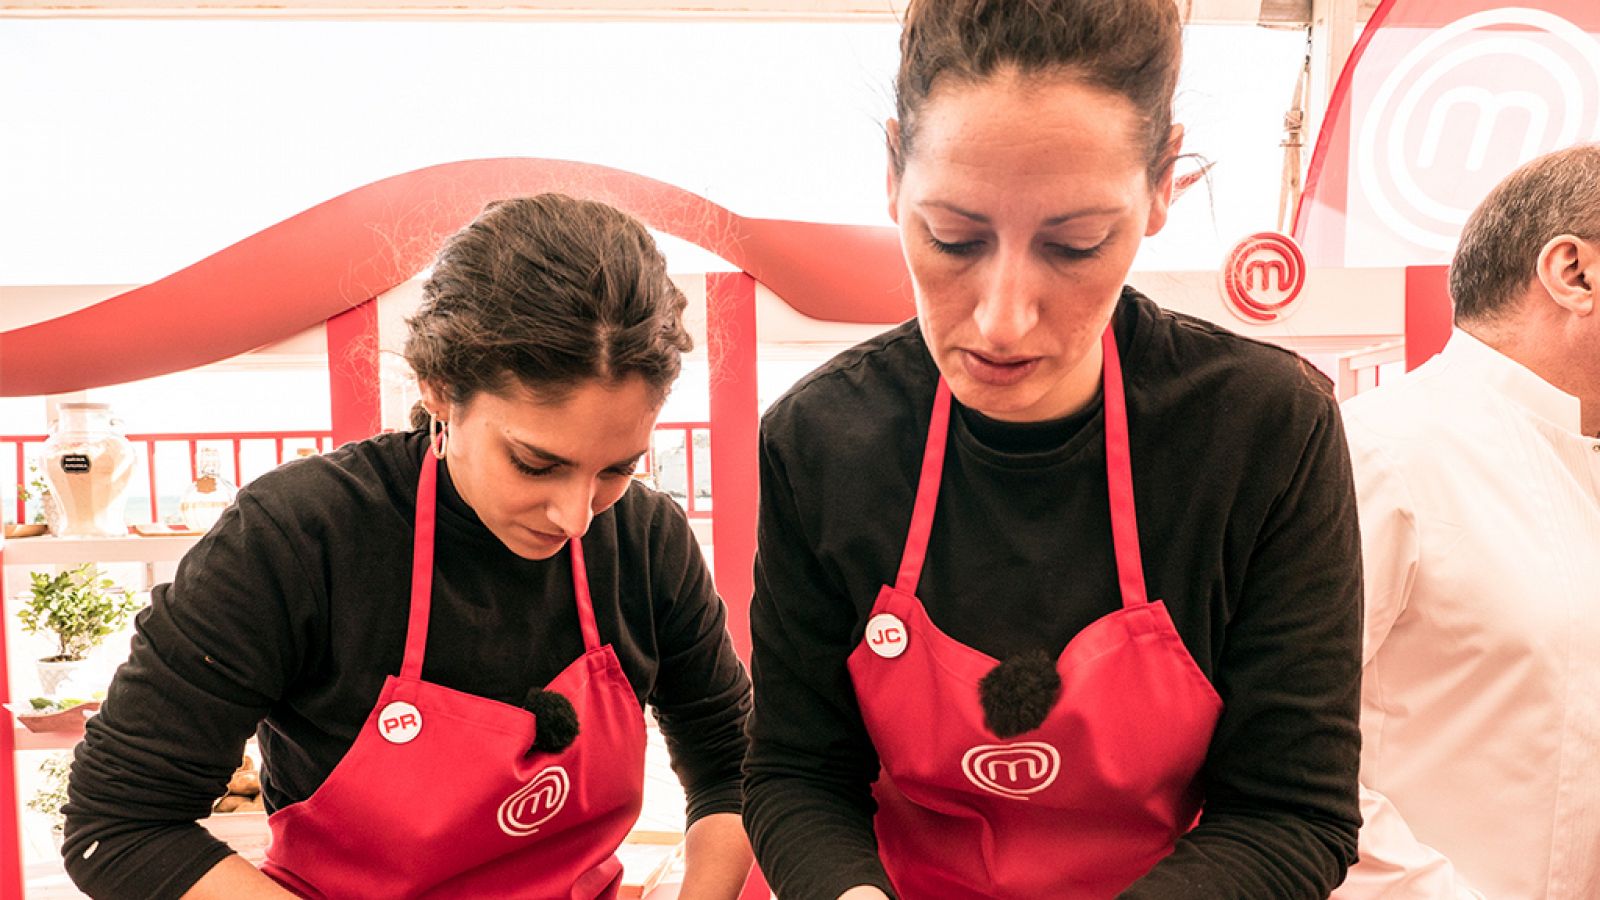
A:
{"x": 74, "y": 462}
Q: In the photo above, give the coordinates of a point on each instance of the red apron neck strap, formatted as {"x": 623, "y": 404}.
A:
{"x": 422, "y": 576}
{"x": 580, "y": 587}
{"x": 1119, "y": 476}
{"x": 927, "y": 493}
{"x": 421, "y": 568}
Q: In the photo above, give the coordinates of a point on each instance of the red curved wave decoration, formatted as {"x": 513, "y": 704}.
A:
{"x": 340, "y": 253}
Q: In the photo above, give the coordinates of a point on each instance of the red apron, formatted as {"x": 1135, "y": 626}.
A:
{"x": 440, "y": 795}
{"x": 1083, "y": 805}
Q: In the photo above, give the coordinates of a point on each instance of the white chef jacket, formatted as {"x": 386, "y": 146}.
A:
{"x": 1480, "y": 712}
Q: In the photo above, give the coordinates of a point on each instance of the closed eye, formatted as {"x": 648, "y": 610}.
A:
{"x": 1067, "y": 251}
{"x": 958, "y": 248}
{"x": 625, "y": 469}
{"x": 532, "y": 471}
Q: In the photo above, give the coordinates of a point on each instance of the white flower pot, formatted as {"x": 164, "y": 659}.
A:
{"x": 52, "y": 675}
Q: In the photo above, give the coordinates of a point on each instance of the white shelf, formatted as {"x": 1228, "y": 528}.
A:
{"x": 40, "y": 551}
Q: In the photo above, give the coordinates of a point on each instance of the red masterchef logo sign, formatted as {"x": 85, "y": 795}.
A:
{"x": 1263, "y": 277}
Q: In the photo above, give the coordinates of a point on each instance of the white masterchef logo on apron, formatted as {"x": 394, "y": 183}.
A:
{"x": 1012, "y": 770}
{"x": 535, "y": 803}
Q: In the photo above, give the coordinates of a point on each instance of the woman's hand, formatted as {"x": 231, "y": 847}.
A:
{"x": 716, "y": 858}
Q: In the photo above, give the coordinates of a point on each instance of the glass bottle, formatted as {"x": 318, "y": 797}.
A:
{"x": 210, "y": 494}
{"x": 88, "y": 464}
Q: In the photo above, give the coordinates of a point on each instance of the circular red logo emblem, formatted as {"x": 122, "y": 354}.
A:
{"x": 1263, "y": 276}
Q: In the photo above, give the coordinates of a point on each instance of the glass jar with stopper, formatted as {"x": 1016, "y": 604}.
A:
{"x": 211, "y": 494}
{"x": 88, "y": 464}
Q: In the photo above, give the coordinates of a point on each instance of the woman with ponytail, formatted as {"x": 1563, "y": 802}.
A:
{"x": 443, "y": 640}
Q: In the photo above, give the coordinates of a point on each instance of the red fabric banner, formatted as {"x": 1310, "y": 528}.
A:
{"x": 1439, "y": 101}
{"x": 340, "y": 253}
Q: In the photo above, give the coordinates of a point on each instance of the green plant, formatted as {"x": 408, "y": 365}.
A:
{"x": 35, "y": 487}
{"x": 52, "y": 792}
{"x": 79, "y": 606}
{"x": 57, "y": 704}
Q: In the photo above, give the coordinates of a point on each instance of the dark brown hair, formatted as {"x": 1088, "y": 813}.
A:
{"x": 547, "y": 292}
{"x": 1556, "y": 194}
{"x": 1129, "y": 47}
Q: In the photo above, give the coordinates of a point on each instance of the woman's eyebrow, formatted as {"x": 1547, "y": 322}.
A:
{"x": 1086, "y": 212}
{"x": 542, "y": 453}
{"x": 558, "y": 460}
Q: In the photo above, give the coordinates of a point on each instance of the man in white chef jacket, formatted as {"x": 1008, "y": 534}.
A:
{"x": 1478, "y": 476}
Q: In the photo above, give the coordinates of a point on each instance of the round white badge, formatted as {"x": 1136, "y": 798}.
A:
{"x": 887, "y": 635}
{"x": 399, "y": 722}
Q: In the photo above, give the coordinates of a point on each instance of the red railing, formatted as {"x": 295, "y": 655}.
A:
{"x": 148, "y": 443}
{"x": 661, "y": 463}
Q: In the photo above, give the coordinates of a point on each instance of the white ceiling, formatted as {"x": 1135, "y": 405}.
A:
{"x": 1274, "y": 11}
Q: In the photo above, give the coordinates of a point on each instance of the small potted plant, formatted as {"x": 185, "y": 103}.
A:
{"x": 52, "y": 792}
{"x": 80, "y": 607}
{"x": 48, "y": 512}
{"x": 57, "y": 713}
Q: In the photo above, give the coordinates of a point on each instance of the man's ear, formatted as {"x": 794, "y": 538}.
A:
{"x": 1569, "y": 269}
{"x": 891, "y": 130}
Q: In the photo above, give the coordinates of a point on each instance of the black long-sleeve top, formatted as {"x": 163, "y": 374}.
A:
{"x": 285, "y": 619}
{"x": 1247, "y": 522}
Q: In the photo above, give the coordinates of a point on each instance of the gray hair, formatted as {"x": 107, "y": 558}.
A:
{"x": 1555, "y": 194}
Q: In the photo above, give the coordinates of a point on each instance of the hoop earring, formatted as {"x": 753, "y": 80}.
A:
{"x": 438, "y": 436}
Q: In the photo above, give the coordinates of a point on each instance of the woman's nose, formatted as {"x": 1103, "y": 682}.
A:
{"x": 1007, "y": 308}
{"x": 572, "y": 509}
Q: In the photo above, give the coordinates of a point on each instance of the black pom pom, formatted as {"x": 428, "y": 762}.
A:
{"x": 557, "y": 720}
{"x": 1019, "y": 693}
